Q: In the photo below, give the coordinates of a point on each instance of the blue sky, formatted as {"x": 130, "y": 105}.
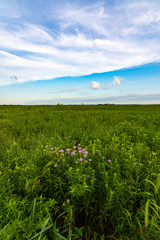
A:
{"x": 75, "y": 52}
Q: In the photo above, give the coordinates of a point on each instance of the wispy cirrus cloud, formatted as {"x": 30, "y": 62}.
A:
{"x": 77, "y": 39}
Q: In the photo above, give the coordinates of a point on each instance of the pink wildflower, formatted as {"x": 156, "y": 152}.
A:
{"x": 81, "y": 159}
{"x": 55, "y": 165}
{"x": 73, "y": 153}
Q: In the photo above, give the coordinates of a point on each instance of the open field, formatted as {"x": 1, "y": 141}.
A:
{"x": 80, "y": 172}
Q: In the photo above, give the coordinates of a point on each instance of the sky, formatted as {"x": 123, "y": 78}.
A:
{"x": 79, "y": 51}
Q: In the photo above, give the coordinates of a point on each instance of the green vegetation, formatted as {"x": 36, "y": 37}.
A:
{"x": 80, "y": 172}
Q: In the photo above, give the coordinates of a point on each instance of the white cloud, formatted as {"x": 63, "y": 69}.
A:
{"x": 82, "y": 15}
{"x": 95, "y": 85}
{"x": 116, "y": 81}
{"x": 34, "y": 52}
{"x": 76, "y": 88}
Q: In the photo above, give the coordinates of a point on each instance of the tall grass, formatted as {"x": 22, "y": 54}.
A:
{"x": 80, "y": 172}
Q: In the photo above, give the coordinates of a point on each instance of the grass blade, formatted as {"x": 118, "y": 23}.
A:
{"x": 5, "y": 227}
{"x": 34, "y": 207}
{"x": 44, "y": 230}
{"x": 146, "y": 213}
{"x": 60, "y": 236}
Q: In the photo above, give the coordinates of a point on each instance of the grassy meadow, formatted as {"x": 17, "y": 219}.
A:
{"x": 80, "y": 172}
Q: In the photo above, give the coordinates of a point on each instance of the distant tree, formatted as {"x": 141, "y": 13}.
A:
{"x": 59, "y": 104}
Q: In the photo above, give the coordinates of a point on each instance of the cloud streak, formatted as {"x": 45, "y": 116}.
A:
{"x": 126, "y": 99}
{"x": 78, "y": 39}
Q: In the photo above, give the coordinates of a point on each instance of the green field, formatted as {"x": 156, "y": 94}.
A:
{"x": 80, "y": 172}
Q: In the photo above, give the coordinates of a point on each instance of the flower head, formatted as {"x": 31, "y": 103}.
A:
{"x": 61, "y": 150}
{"x": 109, "y": 160}
{"x": 55, "y": 165}
{"x": 85, "y": 152}
{"x": 81, "y": 159}
{"x": 73, "y": 153}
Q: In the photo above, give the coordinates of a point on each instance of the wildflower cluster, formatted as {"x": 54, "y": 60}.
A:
{"x": 74, "y": 155}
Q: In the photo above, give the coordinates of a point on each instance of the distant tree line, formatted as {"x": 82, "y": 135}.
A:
{"x": 106, "y": 104}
